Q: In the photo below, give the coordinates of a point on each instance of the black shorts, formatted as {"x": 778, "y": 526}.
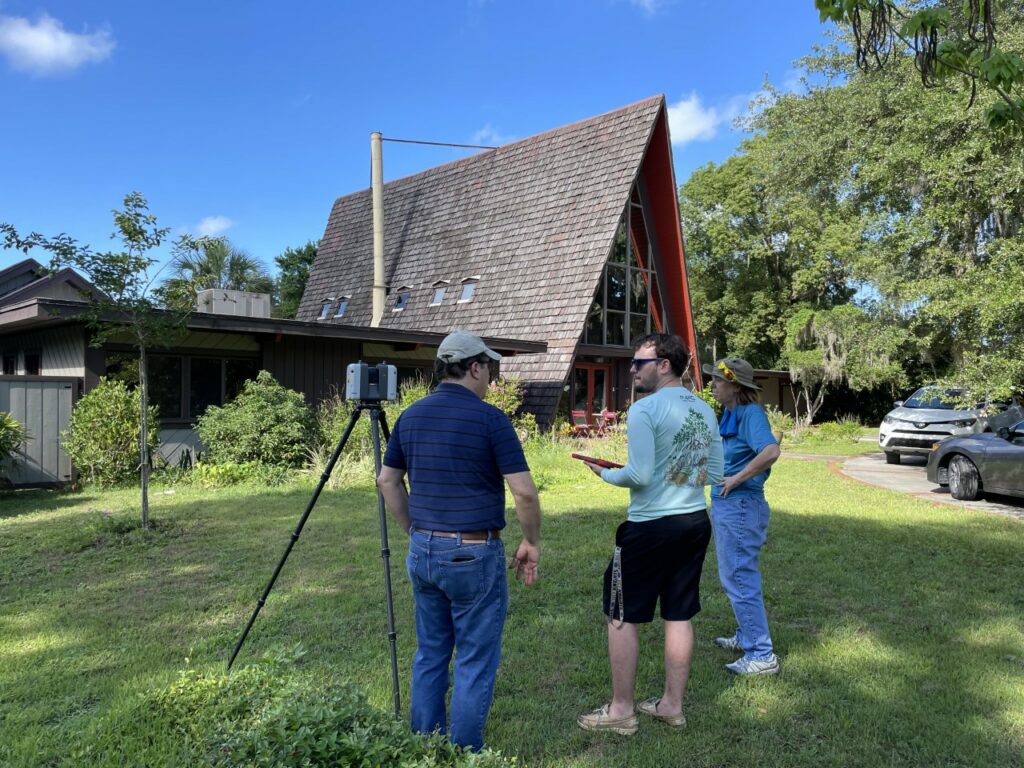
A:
{"x": 661, "y": 559}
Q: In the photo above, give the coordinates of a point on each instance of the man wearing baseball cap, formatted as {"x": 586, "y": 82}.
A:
{"x": 459, "y": 452}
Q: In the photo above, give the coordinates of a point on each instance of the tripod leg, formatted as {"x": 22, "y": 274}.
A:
{"x": 377, "y": 420}
{"x": 324, "y": 477}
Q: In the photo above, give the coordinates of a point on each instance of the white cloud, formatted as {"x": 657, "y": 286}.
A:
{"x": 214, "y": 226}
{"x": 46, "y": 48}
{"x": 689, "y": 120}
{"x": 489, "y": 137}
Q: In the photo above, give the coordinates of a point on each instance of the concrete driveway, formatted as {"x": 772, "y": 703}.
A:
{"x": 909, "y": 477}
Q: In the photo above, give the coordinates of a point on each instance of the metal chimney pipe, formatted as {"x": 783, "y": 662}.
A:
{"x": 377, "y": 178}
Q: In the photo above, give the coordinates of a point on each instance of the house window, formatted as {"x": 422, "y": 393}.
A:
{"x": 402, "y": 300}
{"x": 440, "y": 287}
{"x": 342, "y": 306}
{"x": 628, "y": 303}
{"x": 10, "y": 363}
{"x": 33, "y": 363}
{"x": 468, "y": 289}
{"x": 183, "y": 387}
{"x": 325, "y": 309}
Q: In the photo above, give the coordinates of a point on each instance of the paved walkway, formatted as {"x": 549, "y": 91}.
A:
{"x": 909, "y": 477}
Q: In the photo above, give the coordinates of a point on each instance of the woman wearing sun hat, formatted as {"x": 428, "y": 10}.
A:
{"x": 739, "y": 512}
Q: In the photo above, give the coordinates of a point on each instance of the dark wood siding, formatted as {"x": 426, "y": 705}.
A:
{"x": 313, "y": 366}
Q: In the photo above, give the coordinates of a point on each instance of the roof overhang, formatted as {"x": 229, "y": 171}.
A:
{"x": 38, "y": 313}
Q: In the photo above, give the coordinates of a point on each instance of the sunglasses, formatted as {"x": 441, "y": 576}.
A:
{"x": 640, "y": 362}
{"x": 726, "y": 373}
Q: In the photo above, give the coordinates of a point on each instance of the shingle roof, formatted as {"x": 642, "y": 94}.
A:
{"x": 534, "y": 220}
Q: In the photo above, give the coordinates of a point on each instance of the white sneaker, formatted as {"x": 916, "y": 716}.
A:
{"x": 731, "y": 643}
{"x": 750, "y": 667}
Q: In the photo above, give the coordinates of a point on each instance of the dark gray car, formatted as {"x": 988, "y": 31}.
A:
{"x": 987, "y": 462}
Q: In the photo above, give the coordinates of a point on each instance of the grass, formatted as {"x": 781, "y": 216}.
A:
{"x": 899, "y": 623}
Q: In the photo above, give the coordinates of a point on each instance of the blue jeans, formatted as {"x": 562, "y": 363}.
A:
{"x": 461, "y": 597}
{"x": 741, "y": 527}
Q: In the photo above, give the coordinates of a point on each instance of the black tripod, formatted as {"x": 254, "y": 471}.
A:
{"x": 378, "y": 424}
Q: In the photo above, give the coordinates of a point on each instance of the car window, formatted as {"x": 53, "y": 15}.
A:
{"x": 934, "y": 397}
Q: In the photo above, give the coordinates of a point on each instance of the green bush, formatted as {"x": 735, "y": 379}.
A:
{"x": 266, "y": 714}
{"x": 266, "y": 423}
{"x": 103, "y": 438}
{"x": 12, "y": 435}
{"x": 780, "y": 421}
{"x": 707, "y": 397}
{"x": 506, "y": 394}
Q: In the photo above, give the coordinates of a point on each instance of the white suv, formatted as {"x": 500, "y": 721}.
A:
{"x": 925, "y": 418}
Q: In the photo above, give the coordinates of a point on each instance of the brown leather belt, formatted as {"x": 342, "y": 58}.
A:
{"x": 471, "y": 536}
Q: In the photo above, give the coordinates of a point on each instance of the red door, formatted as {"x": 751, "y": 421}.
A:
{"x": 592, "y": 389}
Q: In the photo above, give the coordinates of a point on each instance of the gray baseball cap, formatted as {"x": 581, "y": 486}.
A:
{"x": 461, "y": 345}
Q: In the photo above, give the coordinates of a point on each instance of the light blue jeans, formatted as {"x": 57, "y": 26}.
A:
{"x": 461, "y": 597}
{"x": 741, "y": 527}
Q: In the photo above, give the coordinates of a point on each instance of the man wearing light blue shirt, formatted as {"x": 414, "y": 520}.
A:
{"x": 674, "y": 451}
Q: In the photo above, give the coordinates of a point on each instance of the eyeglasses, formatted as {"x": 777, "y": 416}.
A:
{"x": 728, "y": 374}
{"x": 640, "y": 362}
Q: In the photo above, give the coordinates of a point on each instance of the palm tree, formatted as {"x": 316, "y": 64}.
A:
{"x": 215, "y": 263}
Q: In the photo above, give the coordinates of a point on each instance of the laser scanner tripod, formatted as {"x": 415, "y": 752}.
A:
{"x": 378, "y": 425}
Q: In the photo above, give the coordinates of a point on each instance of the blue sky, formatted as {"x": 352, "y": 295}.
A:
{"x": 247, "y": 119}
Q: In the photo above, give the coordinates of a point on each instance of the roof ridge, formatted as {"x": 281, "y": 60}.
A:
{"x": 532, "y": 138}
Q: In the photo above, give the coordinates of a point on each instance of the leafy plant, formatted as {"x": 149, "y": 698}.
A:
{"x": 780, "y": 421}
{"x": 103, "y": 437}
{"x": 12, "y": 435}
{"x": 506, "y": 394}
{"x": 266, "y": 714}
{"x": 266, "y": 423}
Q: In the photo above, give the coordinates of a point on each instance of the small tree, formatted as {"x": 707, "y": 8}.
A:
{"x": 125, "y": 300}
{"x": 213, "y": 262}
{"x": 842, "y": 345}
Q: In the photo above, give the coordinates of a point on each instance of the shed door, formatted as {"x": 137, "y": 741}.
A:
{"x": 43, "y": 406}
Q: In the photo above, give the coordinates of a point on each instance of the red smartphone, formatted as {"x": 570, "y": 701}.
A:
{"x": 600, "y": 462}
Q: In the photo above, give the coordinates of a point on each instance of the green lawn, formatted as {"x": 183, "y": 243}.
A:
{"x": 900, "y": 624}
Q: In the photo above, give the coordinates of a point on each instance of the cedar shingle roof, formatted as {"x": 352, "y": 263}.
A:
{"x": 534, "y": 220}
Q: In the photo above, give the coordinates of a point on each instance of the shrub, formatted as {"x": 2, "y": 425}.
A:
{"x": 265, "y": 714}
{"x": 232, "y": 473}
{"x": 12, "y": 435}
{"x": 266, "y": 423}
{"x": 103, "y": 438}
{"x": 707, "y": 397}
{"x": 780, "y": 421}
{"x": 506, "y": 394}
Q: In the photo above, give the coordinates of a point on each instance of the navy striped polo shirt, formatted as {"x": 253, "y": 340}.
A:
{"x": 456, "y": 449}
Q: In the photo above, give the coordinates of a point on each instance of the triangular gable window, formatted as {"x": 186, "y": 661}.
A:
{"x": 628, "y": 304}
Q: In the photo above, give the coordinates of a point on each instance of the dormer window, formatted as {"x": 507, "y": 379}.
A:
{"x": 440, "y": 287}
{"x": 468, "y": 289}
{"x": 325, "y": 309}
{"x": 342, "y": 306}
{"x": 402, "y": 300}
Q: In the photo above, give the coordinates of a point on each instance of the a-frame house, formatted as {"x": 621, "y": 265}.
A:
{"x": 571, "y": 237}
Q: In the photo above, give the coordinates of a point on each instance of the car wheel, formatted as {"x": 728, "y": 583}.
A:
{"x": 963, "y": 479}
{"x": 892, "y": 458}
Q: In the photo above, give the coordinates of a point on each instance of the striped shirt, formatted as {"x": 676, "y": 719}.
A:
{"x": 456, "y": 450}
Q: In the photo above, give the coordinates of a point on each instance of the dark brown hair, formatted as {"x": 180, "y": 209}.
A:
{"x": 669, "y": 347}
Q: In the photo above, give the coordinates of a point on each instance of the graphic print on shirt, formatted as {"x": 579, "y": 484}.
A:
{"x": 691, "y": 448}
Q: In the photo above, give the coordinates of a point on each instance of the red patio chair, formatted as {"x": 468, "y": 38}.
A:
{"x": 607, "y": 421}
{"x": 580, "y": 426}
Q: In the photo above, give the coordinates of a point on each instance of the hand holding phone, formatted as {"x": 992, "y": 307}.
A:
{"x": 600, "y": 462}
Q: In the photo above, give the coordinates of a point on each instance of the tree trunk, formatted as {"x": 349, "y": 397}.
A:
{"x": 144, "y": 435}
